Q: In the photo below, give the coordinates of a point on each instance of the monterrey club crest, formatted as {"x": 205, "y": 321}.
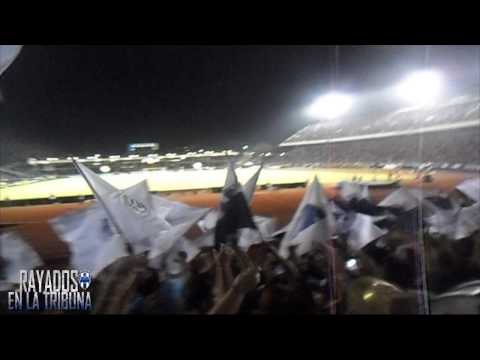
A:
{"x": 85, "y": 280}
{"x": 136, "y": 206}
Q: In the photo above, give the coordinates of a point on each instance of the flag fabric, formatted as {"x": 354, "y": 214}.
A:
{"x": 344, "y": 222}
{"x": 442, "y": 222}
{"x": 470, "y": 188}
{"x": 139, "y": 214}
{"x": 351, "y": 190}
{"x": 266, "y": 225}
{"x": 98, "y": 185}
{"x": 134, "y": 213}
{"x": 231, "y": 181}
{"x": 131, "y": 211}
{"x": 400, "y": 199}
{"x": 8, "y": 53}
{"x": 468, "y": 221}
{"x": 16, "y": 254}
{"x": 234, "y": 219}
{"x": 90, "y": 237}
{"x": 251, "y": 185}
{"x": 209, "y": 222}
{"x": 311, "y": 223}
{"x": 166, "y": 240}
{"x": 408, "y": 199}
{"x": 363, "y": 231}
{"x": 112, "y": 250}
{"x": 453, "y": 221}
{"x": 174, "y": 212}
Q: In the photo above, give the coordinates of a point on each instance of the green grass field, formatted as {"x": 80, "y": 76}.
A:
{"x": 189, "y": 180}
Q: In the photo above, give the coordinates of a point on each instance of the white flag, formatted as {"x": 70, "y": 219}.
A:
{"x": 471, "y": 188}
{"x": 112, "y": 250}
{"x": 401, "y": 198}
{"x": 312, "y": 223}
{"x": 251, "y": 185}
{"x": 92, "y": 241}
{"x": 363, "y": 231}
{"x": 166, "y": 240}
{"x": 98, "y": 185}
{"x": 266, "y": 226}
{"x": 351, "y": 190}
{"x": 8, "y": 53}
{"x": 174, "y": 212}
{"x": 17, "y": 255}
{"x": 468, "y": 221}
{"x": 134, "y": 213}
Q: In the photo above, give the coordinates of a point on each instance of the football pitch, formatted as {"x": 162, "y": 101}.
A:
{"x": 194, "y": 180}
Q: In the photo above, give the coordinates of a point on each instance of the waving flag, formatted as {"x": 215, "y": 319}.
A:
{"x": 468, "y": 221}
{"x": 312, "y": 223}
{"x": 99, "y": 186}
{"x": 470, "y": 188}
{"x": 92, "y": 241}
{"x": 131, "y": 211}
{"x": 251, "y": 185}
{"x": 134, "y": 213}
{"x": 455, "y": 224}
{"x": 8, "y": 53}
{"x": 400, "y": 199}
{"x": 16, "y": 254}
{"x": 166, "y": 240}
{"x": 174, "y": 212}
{"x": 235, "y": 221}
{"x": 363, "y": 231}
{"x": 351, "y": 190}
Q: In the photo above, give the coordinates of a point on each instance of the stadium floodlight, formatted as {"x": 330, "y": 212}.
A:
{"x": 421, "y": 88}
{"x": 105, "y": 169}
{"x": 330, "y": 106}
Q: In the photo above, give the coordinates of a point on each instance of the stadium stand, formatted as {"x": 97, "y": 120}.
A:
{"x": 448, "y": 135}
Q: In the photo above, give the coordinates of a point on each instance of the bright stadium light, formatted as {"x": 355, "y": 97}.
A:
{"x": 330, "y": 106}
{"x": 105, "y": 169}
{"x": 421, "y": 88}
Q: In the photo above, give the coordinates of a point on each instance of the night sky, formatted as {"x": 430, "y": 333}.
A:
{"x": 81, "y": 100}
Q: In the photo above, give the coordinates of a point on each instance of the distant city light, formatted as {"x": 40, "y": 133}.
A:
{"x": 330, "y": 106}
{"x": 421, "y": 88}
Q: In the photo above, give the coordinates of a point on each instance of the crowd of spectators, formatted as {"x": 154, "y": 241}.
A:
{"x": 460, "y": 146}
{"x": 410, "y": 119}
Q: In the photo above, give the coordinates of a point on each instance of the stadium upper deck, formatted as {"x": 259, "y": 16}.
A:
{"x": 462, "y": 112}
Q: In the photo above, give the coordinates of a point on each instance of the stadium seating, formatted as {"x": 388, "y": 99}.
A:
{"x": 397, "y": 121}
{"x": 457, "y": 147}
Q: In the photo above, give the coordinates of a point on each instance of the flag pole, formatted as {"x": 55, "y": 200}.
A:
{"x": 109, "y": 214}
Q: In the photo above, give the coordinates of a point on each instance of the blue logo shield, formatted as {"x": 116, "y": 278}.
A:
{"x": 85, "y": 280}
